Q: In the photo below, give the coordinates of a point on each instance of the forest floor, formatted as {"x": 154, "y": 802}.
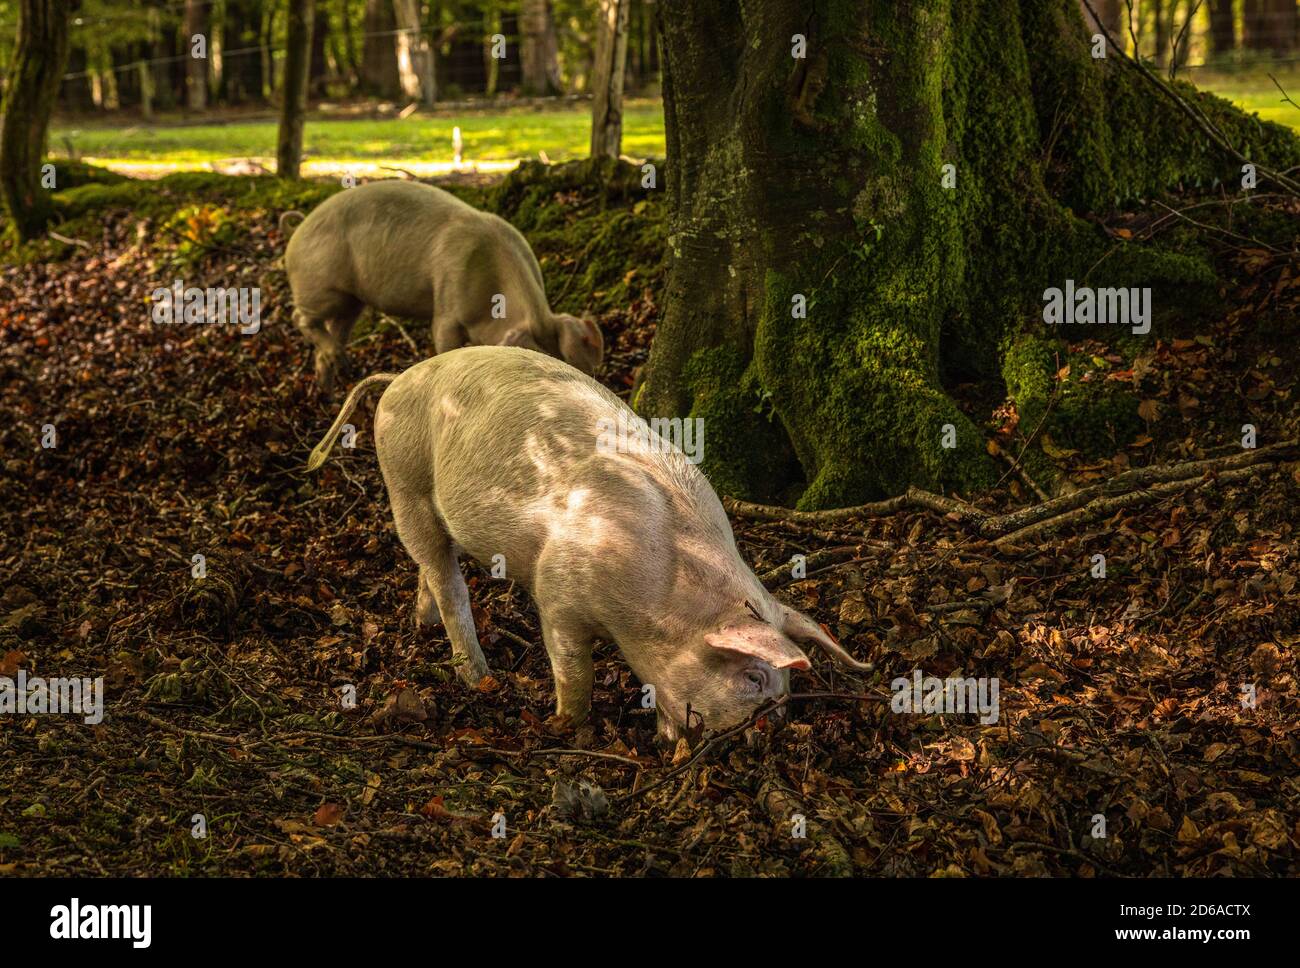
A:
{"x": 1162, "y": 698}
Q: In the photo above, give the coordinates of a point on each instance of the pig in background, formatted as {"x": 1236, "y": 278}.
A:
{"x": 412, "y": 250}
{"x": 494, "y": 450}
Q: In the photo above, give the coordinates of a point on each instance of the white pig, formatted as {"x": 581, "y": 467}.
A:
{"x": 499, "y": 451}
{"x": 416, "y": 251}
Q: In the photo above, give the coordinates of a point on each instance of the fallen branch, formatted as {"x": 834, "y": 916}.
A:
{"x": 913, "y": 497}
{"x": 1129, "y": 489}
{"x": 783, "y": 574}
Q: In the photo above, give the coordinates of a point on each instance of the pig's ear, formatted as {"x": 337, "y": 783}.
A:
{"x": 803, "y": 629}
{"x": 762, "y": 641}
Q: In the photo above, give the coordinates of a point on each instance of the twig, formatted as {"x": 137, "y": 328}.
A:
{"x": 1286, "y": 98}
{"x": 405, "y": 335}
{"x": 68, "y": 241}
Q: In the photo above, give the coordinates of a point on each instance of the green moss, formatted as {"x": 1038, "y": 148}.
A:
{"x": 1089, "y": 413}
{"x": 72, "y": 174}
{"x": 746, "y": 452}
{"x": 599, "y": 236}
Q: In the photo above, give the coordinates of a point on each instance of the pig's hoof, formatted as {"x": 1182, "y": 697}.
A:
{"x": 471, "y": 673}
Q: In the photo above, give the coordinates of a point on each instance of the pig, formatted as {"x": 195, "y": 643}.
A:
{"x": 412, "y": 250}
{"x": 498, "y": 451}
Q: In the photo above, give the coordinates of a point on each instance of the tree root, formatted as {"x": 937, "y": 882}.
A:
{"x": 1127, "y": 490}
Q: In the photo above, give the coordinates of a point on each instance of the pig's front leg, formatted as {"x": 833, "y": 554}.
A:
{"x": 326, "y": 351}
{"x": 570, "y": 654}
{"x": 448, "y": 335}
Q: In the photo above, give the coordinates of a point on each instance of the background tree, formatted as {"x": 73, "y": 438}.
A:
{"x": 539, "y": 50}
{"x": 1223, "y": 29}
{"x": 196, "y": 68}
{"x": 415, "y": 66}
{"x": 242, "y": 52}
{"x": 379, "y": 54}
{"x": 831, "y": 277}
{"x": 39, "y": 57}
{"x": 607, "y": 78}
{"x": 297, "y": 59}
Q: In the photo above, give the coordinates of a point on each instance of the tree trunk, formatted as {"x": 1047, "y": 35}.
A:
{"x": 352, "y": 64}
{"x": 1223, "y": 37}
{"x": 854, "y": 230}
{"x": 491, "y": 63}
{"x": 241, "y": 52}
{"x": 40, "y": 53}
{"x": 196, "y": 68}
{"x": 414, "y": 55}
{"x": 297, "y": 60}
{"x": 318, "y": 74}
{"x": 607, "y": 78}
{"x": 1161, "y": 13}
{"x": 539, "y": 52}
{"x": 1112, "y": 14}
{"x": 1282, "y": 26}
{"x": 379, "y": 53}
{"x": 1255, "y": 34}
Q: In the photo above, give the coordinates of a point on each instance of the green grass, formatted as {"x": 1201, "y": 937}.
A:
{"x": 1251, "y": 89}
{"x": 499, "y": 135}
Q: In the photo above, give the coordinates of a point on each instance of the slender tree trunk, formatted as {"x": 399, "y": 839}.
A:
{"x": 378, "y": 52}
{"x": 415, "y": 66}
{"x": 607, "y": 78}
{"x": 40, "y": 53}
{"x": 196, "y": 68}
{"x": 241, "y": 52}
{"x": 1223, "y": 36}
{"x": 1282, "y": 26}
{"x": 538, "y": 51}
{"x": 318, "y": 73}
{"x": 297, "y": 60}
{"x": 1161, "y": 12}
{"x": 1255, "y": 34}
{"x": 491, "y": 63}
{"x": 352, "y": 63}
{"x": 868, "y": 201}
{"x": 1182, "y": 39}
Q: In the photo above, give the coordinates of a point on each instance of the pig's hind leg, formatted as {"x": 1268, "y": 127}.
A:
{"x": 442, "y": 590}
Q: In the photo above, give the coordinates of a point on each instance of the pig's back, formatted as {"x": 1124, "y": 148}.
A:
{"x": 506, "y": 440}
{"x": 375, "y": 242}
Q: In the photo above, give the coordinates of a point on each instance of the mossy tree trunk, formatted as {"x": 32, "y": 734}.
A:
{"x": 39, "y": 56}
{"x": 855, "y": 227}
